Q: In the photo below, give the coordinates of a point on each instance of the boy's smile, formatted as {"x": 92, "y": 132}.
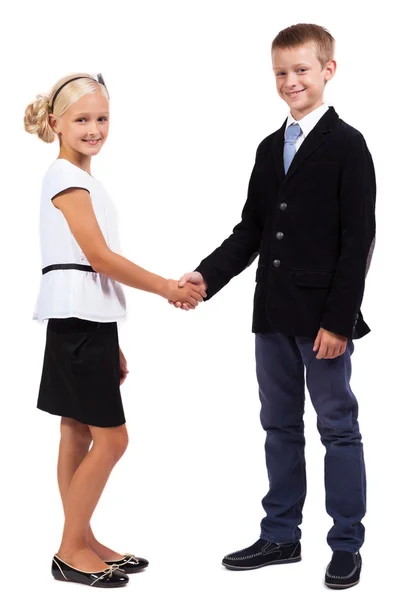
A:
{"x": 295, "y": 93}
{"x": 300, "y": 78}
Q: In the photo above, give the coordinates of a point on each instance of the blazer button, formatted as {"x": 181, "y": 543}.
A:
{"x": 283, "y": 206}
{"x": 277, "y": 263}
{"x": 279, "y": 235}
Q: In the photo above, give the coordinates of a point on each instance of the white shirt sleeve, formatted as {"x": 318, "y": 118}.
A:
{"x": 63, "y": 176}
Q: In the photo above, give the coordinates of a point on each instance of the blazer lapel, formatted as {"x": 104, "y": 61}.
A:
{"x": 277, "y": 152}
{"x": 313, "y": 141}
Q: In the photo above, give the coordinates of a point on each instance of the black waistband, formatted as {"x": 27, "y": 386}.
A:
{"x": 66, "y": 266}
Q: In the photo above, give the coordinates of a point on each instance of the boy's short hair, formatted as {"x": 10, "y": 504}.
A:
{"x": 306, "y": 33}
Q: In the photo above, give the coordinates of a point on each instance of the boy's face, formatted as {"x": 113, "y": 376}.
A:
{"x": 84, "y": 126}
{"x": 300, "y": 79}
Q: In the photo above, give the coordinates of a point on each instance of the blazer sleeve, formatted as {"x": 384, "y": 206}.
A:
{"x": 357, "y": 194}
{"x": 240, "y": 249}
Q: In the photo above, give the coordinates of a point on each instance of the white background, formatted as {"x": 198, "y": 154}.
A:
{"x": 192, "y": 95}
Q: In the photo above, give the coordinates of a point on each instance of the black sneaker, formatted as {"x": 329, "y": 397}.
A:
{"x": 344, "y": 570}
{"x": 261, "y": 554}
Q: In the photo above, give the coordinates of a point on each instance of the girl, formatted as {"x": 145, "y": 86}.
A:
{"x": 82, "y": 299}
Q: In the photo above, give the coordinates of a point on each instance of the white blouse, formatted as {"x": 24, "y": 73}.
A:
{"x": 74, "y": 293}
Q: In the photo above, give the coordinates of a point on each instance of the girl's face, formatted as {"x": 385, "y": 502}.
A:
{"x": 83, "y": 128}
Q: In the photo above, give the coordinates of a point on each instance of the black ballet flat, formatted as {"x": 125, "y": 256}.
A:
{"x": 130, "y": 563}
{"x": 109, "y": 578}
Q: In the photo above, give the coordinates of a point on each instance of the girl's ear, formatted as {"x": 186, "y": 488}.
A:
{"x": 54, "y": 123}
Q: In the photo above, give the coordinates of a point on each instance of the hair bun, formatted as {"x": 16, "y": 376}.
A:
{"x": 36, "y": 119}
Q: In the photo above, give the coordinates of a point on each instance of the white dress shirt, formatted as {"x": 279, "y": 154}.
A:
{"x": 307, "y": 123}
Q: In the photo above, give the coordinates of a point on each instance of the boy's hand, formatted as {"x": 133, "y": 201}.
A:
{"x": 123, "y": 367}
{"x": 196, "y": 278}
{"x": 329, "y": 345}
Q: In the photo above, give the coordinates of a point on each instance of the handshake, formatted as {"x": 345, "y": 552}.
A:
{"x": 188, "y": 291}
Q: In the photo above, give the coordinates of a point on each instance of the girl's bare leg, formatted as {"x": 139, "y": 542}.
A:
{"x": 74, "y": 445}
{"x": 84, "y": 492}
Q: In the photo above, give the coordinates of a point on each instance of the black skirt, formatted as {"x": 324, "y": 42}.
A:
{"x": 81, "y": 372}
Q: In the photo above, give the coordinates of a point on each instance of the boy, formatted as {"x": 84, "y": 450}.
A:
{"x": 309, "y": 215}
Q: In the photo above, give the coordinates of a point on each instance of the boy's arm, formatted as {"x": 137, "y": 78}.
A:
{"x": 240, "y": 249}
{"x": 357, "y": 221}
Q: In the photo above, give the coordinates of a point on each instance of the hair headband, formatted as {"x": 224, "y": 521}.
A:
{"x": 98, "y": 80}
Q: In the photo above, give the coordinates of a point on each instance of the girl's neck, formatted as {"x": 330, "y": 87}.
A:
{"x": 76, "y": 158}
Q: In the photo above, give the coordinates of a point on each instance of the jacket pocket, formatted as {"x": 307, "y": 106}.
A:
{"x": 314, "y": 279}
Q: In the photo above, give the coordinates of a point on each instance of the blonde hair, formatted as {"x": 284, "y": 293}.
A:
{"x": 36, "y": 119}
{"x": 306, "y": 33}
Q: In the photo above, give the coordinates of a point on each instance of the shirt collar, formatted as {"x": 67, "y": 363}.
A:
{"x": 308, "y": 122}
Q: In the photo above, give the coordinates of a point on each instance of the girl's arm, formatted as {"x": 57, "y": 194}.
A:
{"x": 77, "y": 208}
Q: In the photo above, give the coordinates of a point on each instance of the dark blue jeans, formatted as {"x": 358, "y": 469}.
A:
{"x": 280, "y": 362}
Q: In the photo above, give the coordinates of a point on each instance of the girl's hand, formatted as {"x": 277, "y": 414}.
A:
{"x": 123, "y": 367}
{"x": 196, "y": 278}
{"x": 190, "y": 294}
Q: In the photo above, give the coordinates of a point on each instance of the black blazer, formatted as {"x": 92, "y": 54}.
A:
{"x": 313, "y": 229}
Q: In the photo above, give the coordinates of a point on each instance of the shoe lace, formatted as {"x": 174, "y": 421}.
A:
{"x": 131, "y": 558}
{"x": 108, "y": 572}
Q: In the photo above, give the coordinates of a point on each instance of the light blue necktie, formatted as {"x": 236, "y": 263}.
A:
{"x": 289, "y": 149}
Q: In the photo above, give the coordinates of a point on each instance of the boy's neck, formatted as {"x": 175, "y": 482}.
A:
{"x": 300, "y": 114}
